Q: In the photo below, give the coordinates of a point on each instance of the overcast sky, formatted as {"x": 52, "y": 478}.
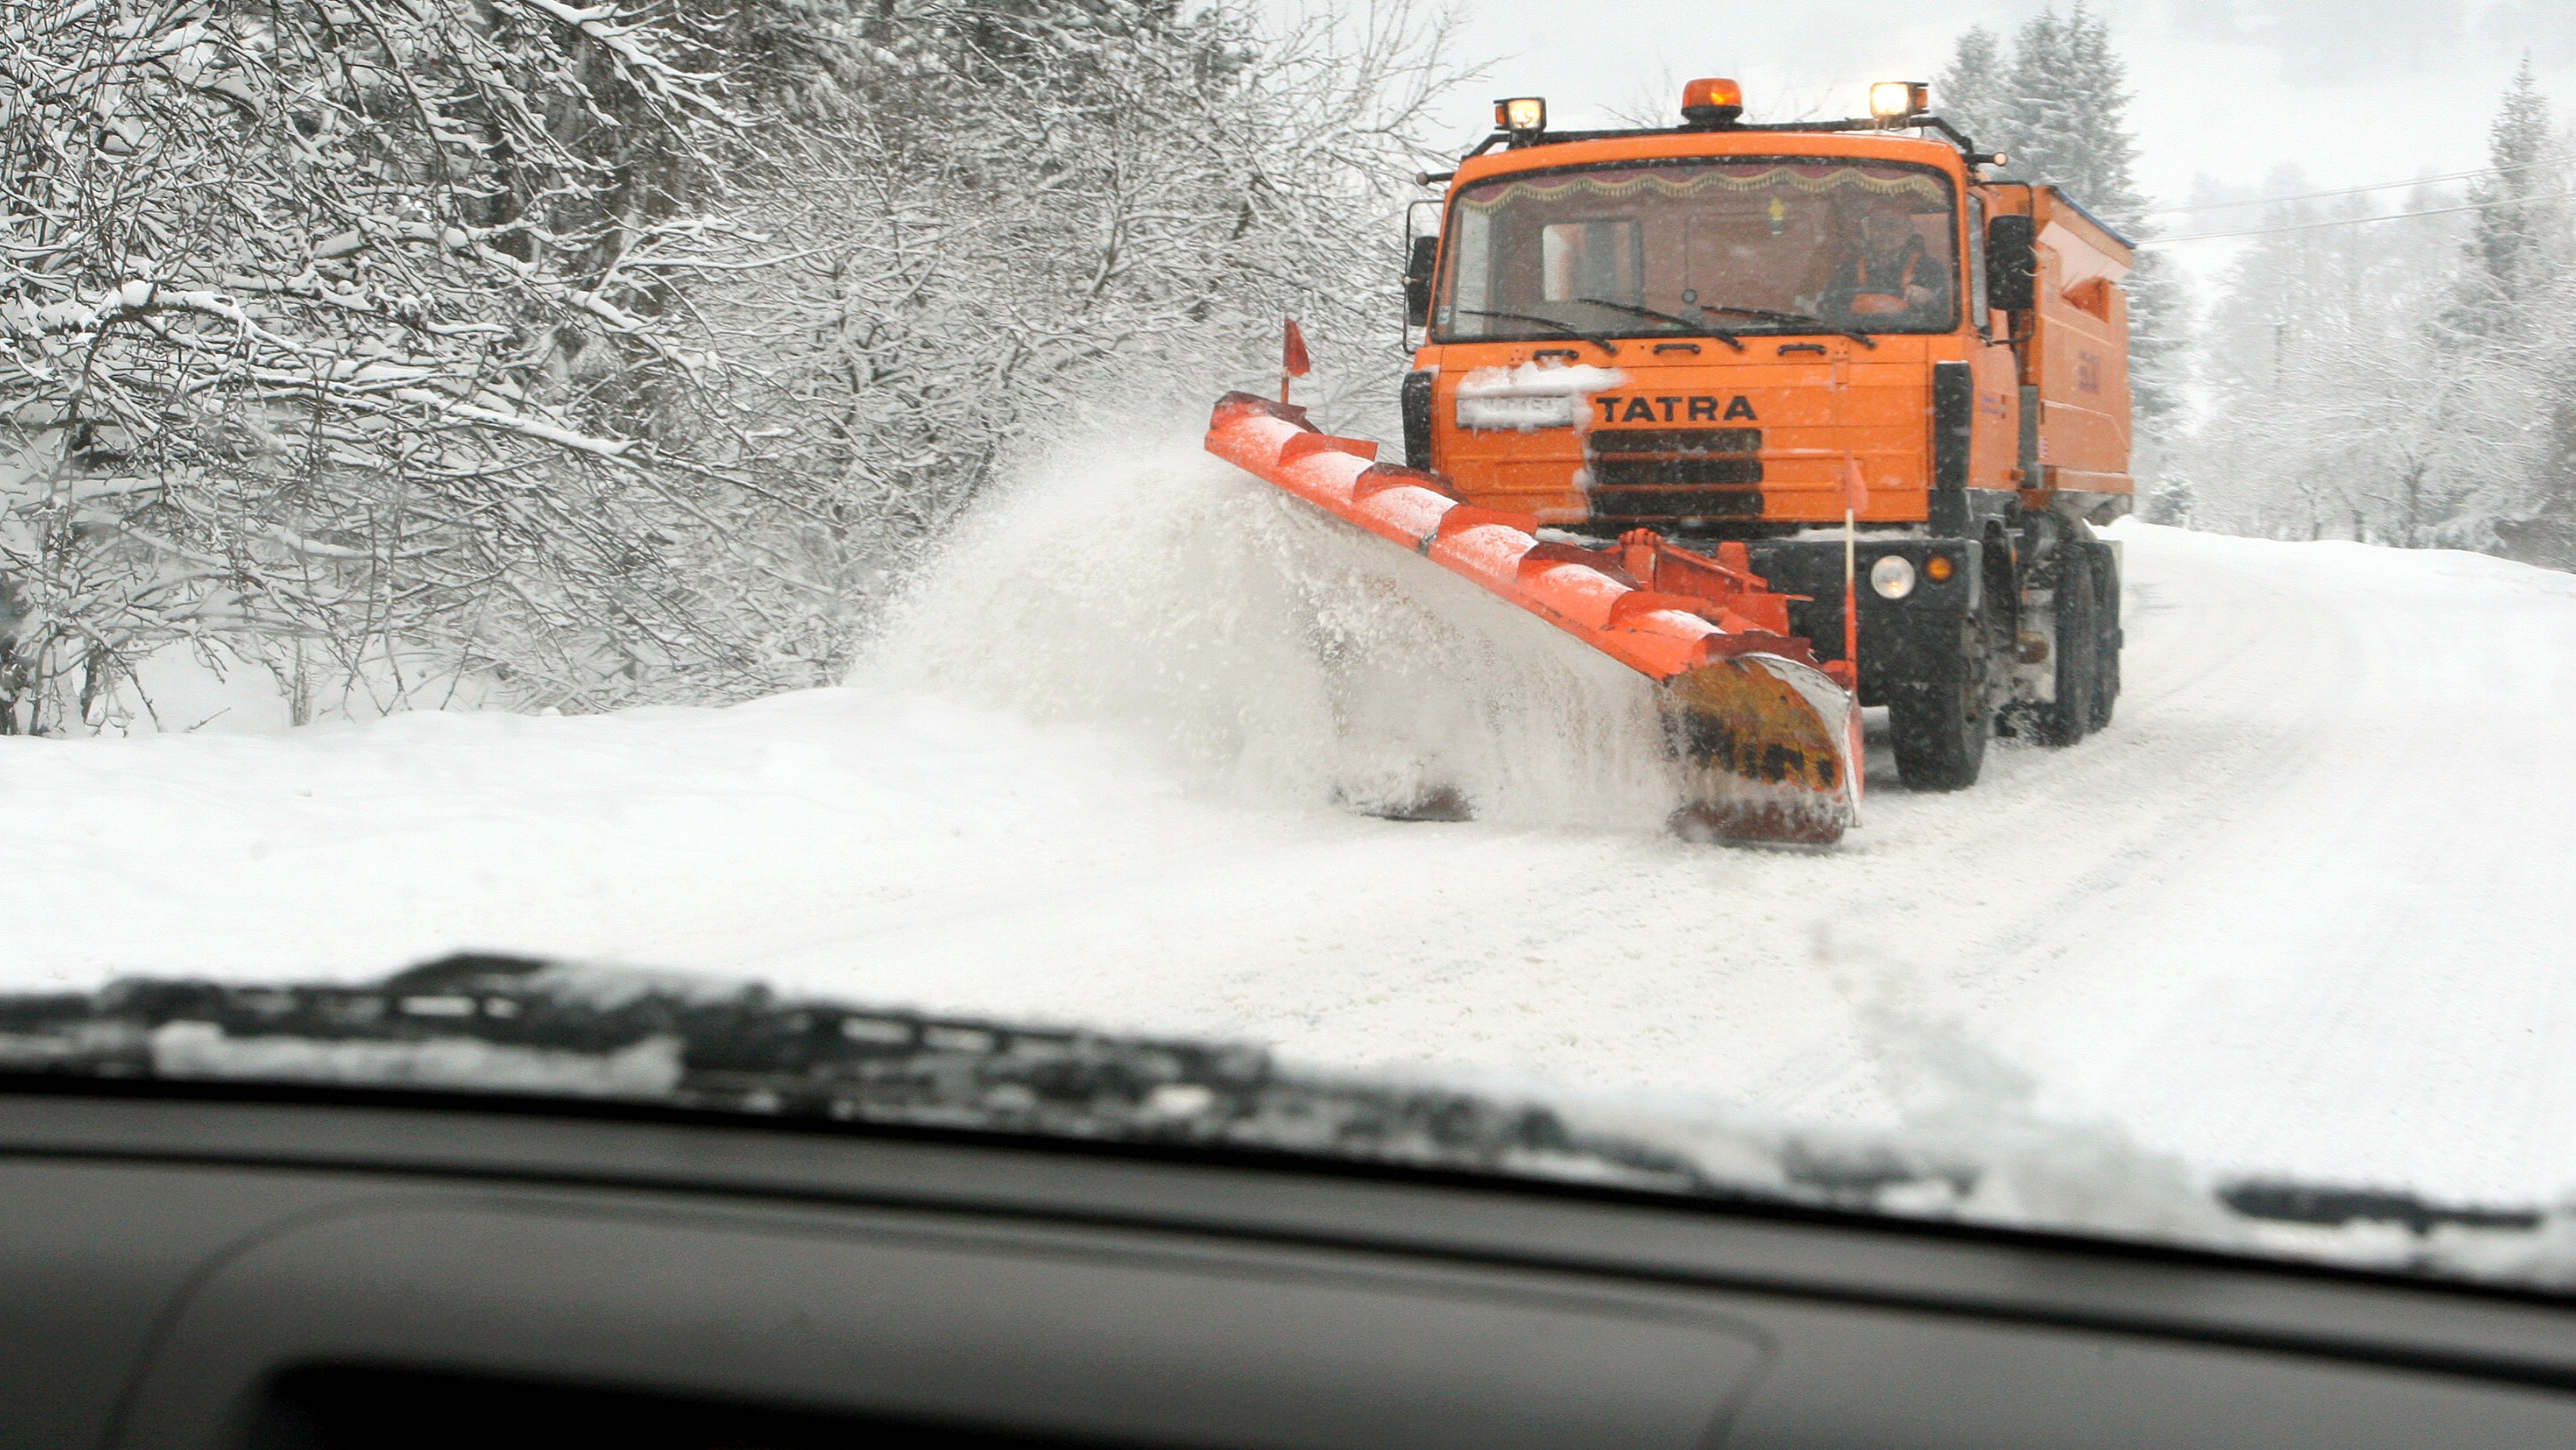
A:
{"x": 2230, "y": 90}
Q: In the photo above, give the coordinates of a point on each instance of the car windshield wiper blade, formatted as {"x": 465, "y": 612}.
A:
{"x": 2335, "y": 1206}
{"x": 1794, "y": 319}
{"x": 1563, "y": 329}
{"x": 489, "y": 1026}
{"x": 1697, "y": 329}
{"x": 525, "y": 1030}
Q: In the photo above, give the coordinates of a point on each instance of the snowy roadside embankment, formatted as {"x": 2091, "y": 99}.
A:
{"x": 2299, "y": 909}
{"x": 665, "y": 834}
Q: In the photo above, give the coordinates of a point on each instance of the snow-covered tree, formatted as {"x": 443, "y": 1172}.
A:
{"x": 2064, "y": 115}
{"x": 599, "y": 352}
{"x": 1971, "y": 92}
{"x": 1040, "y": 207}
{"x": 2058, "y": 108}
{"x": 2409, "y": 379}
{"x": 2516, "y": 236}
{"x": 2342, "y": 405}
{"x": 2508, "y": 319}
{"x": 339, "y": 322}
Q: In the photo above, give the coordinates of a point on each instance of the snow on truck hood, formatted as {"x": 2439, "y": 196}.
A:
{"x": 1536, "y": 380}
{"x": 1531, "y": 395}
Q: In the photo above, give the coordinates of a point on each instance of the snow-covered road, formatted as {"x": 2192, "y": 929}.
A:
{"x": 2305, "y": 906}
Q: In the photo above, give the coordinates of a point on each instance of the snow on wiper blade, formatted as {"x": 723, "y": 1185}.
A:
{"x": 511, "y": 1026}
{"x": 504, "y": 1026}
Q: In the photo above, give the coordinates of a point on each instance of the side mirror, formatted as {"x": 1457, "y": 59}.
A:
{"x": 2012, "y": 263}
{"x": 1417, "y": 280}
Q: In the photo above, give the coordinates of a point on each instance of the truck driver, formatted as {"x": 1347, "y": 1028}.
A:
{"x": 1890, "y": 273}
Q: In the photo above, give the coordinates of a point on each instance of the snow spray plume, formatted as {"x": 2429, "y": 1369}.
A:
{"x": 1133, "y": 583}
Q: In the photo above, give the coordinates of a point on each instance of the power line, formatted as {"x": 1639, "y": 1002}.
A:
{"x": 2355, "y": 221}
{"x": 2357, "y": 190}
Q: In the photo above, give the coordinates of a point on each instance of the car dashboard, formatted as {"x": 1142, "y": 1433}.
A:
{"x": 312, "y": 1269}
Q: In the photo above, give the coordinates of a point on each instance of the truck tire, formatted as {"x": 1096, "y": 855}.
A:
{"x": 2106, "y": 611}
{"x": 2079, "y": 651}
{"x": 1940, "y": 724}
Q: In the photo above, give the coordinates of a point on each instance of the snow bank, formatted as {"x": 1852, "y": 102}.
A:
{"x": 693, "y": 838}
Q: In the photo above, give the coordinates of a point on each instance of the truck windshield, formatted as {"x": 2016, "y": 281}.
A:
{"x": 1753, "y": 245}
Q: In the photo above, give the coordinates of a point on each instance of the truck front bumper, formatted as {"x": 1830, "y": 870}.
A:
{"x": 1901, "y": 640}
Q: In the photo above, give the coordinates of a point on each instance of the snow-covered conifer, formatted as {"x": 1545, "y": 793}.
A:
{"x": 2058, "y": 109}
{"x": 2503, "y": 328}
{"x": 1971, "y": 93}
{"x": 2066, "y": 113}
{"x": 2515, "y": 238}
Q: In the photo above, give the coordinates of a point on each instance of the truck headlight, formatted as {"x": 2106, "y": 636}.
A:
{"x": 1526, "y": 411}
{"x": 1892, "y": 576}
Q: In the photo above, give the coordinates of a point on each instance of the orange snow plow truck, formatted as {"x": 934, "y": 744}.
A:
{"x": 1789, "y": 418}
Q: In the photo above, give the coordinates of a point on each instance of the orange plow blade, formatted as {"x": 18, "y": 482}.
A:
{"x": 1769, "y": 740}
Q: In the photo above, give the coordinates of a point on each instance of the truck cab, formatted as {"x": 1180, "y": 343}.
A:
{"x": 1726, "y": 332}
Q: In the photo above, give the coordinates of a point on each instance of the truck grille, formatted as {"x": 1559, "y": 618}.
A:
{"x": 1668, "y": 473}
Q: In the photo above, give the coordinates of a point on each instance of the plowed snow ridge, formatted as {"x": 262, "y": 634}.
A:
{"x": 2302, "y": 908}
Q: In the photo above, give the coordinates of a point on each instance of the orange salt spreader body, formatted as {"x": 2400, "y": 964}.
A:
{"x": 1675, "y": 387}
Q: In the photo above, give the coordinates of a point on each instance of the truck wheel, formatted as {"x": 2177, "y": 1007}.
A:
{"x": 2106, "y": 612}
{"x": 1939, "y": 725}
{"x": 2079, "y": 652}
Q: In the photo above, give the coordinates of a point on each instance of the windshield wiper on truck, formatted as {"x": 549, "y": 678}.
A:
{"x": 1794, "y": 319}
{"x": 1697, "y": 329}
{"x": 1563, "y": 329}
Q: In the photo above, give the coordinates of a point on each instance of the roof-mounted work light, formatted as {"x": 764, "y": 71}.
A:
{"x": 1712, "y": 102}
{"x": 1896, "y": 102}
{"x": 1521, "y": 115}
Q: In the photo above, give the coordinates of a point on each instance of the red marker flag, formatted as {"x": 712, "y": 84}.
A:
{"x": 1855, "y": 487}
{"x": 1293, "y": 362}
